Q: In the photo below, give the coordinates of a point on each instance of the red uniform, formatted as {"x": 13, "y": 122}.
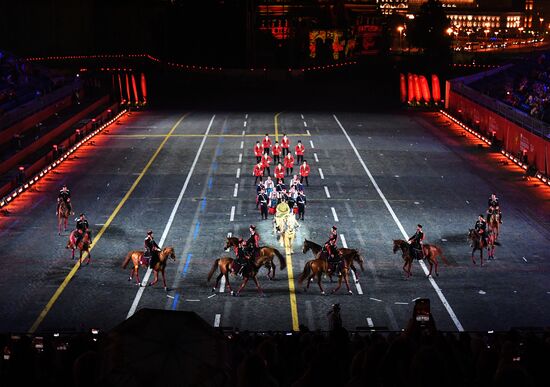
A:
{"x": 266, "y": 142}
{"x": 258, "y": 170}
{"x": 285, "y": 142}
{"x": 304, "y": 170}
{"x": 258, "y": 150}
{"x": 300, "y": 148}
{"x": 279, "y": 172}
{"x": 289, "y": 161}
{"x": 276, "y": 149}
{"x": 266, "y": 161}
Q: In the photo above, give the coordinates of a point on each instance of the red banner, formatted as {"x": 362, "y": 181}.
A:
{"x": 143, "y": 88}
{"x": 425, "y": 88}
{"x": 410, "y": 82}
{"x": 436, "y": 89}
{"x": 403, "y": 87}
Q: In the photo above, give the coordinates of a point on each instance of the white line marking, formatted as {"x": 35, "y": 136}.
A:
{"x": 170, "y": 219}
{"x": 524, "y": 259}
{"x": 400, "y": 226}
{"x": 307, "y": 131}
{"x": 245, "y": 124}
{"x": 369, "y": 322}
{"x": 244, "y": 132}
{"x": 301, "y": 115}
{"x": 321, "y": 173}
{"x": 316, "y": 158}
{"x": 375, "y": 299}
{"x": 311, "y": 143}
{"x": 246, "y": 116}
{"x": 236, "y": 190}
{"x": 305, "y": 124}
{"x": 192, "y": 300}
{"x": 326, "y": 191}
{"x": 242, "y": 144}
{"x": 232, "y": 216}
{"x": 217, "y": 319}
{"x": 238, "y": 173}
{"x": 222, "y": 285}
{"x": 357, "y": 285}
{"x": 240, "y": 157}
{"x": 169, "y": 296}
{"x": 334, "y": 214}
{"x": 212, "y": 295}
{"x": 401, "y": 303}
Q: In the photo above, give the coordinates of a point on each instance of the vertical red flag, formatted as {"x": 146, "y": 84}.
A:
{"x": 425, "y": 88}
{"x": 410, "y": 80}
{"x": 417, "y": 91}
{"x": 128, "y": 88}
{"x": 403, "y": 88}
{"x": 143, "y": 88}
{"x": 436, "y": 89}
{"x": 120, "y": 87}
{"x": 134, "y": 86}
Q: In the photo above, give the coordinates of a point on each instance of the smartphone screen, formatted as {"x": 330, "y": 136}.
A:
{"x": 422, "y": 310}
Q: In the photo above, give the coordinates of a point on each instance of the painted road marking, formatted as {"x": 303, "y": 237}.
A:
{"x": 401, "y": 303}
{"x": 73, "y": 271}
{"x": 276, "y": 126}
{"x": 311, "y": 143}
{"x": 240, "y": 157}
{"x": 307, "y": 131}
{"x": 222, "y": 285}
{"x": 315, "y": 157}
{"x": 238, "y": 173}
{"x": 212, "y": 295}
{"x": 236, "y": 190}
{"x": 326, "y": 192}
{"x": 301, "y": 115}
{"x": 232, "y": 216}
{"x": 242, "y": 144}
{"x": 244, "y": 132}
{"x": 357, "y": 284}
{"x": 291, "y": 288}
{"x": 175, "y": 302}
{"x": 321, "y": 173}
{"x": 187, "y": 261}
{"x": 305, "y": 124}
{"x": 171, "y": 218}
{"x": 334, "y": 214}
{"x": 400, "y": 226}
{"x": 246, "y": 116}
{"x": 245, "y": 124}
{"x": 375, "y": 299}
{"x": 369, "y": 322}
{"x": 217, "y": 319}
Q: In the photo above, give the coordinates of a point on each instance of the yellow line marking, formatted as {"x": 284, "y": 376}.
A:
{"x": 202, "y": 135}
{"x": 277, "y": 127}
{"x": 293, "y": 304}
{"x": 73, "y": 271}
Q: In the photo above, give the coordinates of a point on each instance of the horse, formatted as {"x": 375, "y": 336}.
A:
{"x": 431, "y": 252}
{"x": 83, "y": 245}
{"x": 225, "y": 264}
{"x": 267, "y": 251}
{"x": 286, "y": 227}
{"x": 316, "y": 267}
{"x": 493, "y": 223}
{"x": 136, "y": 256}
{"x": 349, "y": 255}
{"x": 63, "y": 214}
{"x": 491, "y": 243}
{"x": 477, "y": 243}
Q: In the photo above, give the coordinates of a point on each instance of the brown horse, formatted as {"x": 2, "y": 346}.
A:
{"x": 493, "y": 223}
{"x": 319, "y": 266}
{"x": 83, "y": 245}
{"x": 478, "y": 243}
{"x": 269, "y": 252}
{"x": 348, "y": 255}
{"x": 225, "y": 264}
{"x": 431, "y": 252}
{"x": 491, "y": 243}
{"x": 62, "y": 217}
{"x": 136, "y": 256}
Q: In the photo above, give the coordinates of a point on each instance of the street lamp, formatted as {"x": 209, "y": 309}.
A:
{"x": 400, "y": 29}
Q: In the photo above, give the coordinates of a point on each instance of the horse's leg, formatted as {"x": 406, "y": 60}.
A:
{"x": 473, "y": 258}
{"x": 156, "y": 278}
{"x": 218, "y": 278}
{"x": 136, "y": 269}
{"x": 274, "y": 268}
{"x": 319, "y": 283}
{"x": 481, "y": 256}
{"x": 431, "y": 267}
{"x": 164, "y": 280}
{"x": 352, "y": 267}
{"x": 346, "y": 280}
{"x": 258, "y": 286}
{"x": 339, "y": 284}
{"x": 88, "y": 258}
{"x": 66, "y": 223}
{"x": 242, "y": 286}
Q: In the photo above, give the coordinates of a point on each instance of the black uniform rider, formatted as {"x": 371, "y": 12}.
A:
{"x": 416, "y": 242}
{"x": 151, "y": 249}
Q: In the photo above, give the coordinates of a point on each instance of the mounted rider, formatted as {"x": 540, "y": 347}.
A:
{"x": 64, "y": 196}
{"x": 333, "y": 257}
{"x": 415, "y": 243}
{"x": 494, "y": 207}
{"x": 481, "y": 229}
{"x": 152, "y": 249}
{"x": 253, "y": 242}
{"x": 82, "y": 227}
{"x": 242, "y": 258}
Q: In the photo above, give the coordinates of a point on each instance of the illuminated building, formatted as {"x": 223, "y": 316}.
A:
{"x": 388, "y": 7}
{"x": 479, "y": 19}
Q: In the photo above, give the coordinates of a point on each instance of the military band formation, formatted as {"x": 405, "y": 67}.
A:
{"x": 287, "y": 204}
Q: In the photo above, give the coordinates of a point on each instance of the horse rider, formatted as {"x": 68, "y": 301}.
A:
{"x": 495, "y": 205}
{"x": 416, "y": 241}
{"x": 82, "y": 227}
{"x": 481, "y": 228}
{"x": 64, "y": 196}
{"x": 330, "y": 244}
{"x": 151, "y": 249}
{"x": 242, "y": 258}
{"x": 253, "y": 242}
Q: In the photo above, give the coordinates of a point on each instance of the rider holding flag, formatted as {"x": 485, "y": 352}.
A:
{"x": 151, "y": 248}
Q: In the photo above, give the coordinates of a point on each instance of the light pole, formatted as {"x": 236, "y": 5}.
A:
{"x": 450, "y": 33}
{"x": 400, "y": 29}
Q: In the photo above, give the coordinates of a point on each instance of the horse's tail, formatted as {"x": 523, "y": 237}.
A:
{"x": 213, "y": 269}
{"x": 305, "y": 273}
{"x": 282, "y": 259}
{"x": 440, "y": 253}
{"x": 127, "y": 259}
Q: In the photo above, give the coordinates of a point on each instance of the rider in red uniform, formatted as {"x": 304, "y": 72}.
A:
{"x": 253, "y": 242}
{"x": 266, "y": 143}
{"x": 330, "y": 245}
